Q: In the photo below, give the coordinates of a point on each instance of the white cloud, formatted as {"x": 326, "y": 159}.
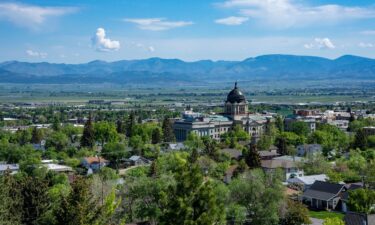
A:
{"x": 366, "y": 45}
{"x": 144, "y": 47}
{"x": 102, "y": 43}
{"x": 36, "y": 54}
{"x": 30, "y": 16}
{"x": 232, "y": 20}
{"x": 157, "y": 24}
{"x": 320, "y": 43}
{"x": 293, "y": 13}
{"x": 368, "y": 32}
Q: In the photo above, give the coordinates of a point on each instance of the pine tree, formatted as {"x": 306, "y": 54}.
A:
{"x": 156, "y": 136}
{"x": 282, "y": 146}
{"x": 360, "y": 140}
{"x": 280, "y": 123}
{"x": 36, "y": 136}
{"x": 130, "y": 123}
{"x": 120, "y": 127}
{"x": 153, "y": 172}
{"x": 252, "y": 157}
{"x": 168, "y": 133}
{"x": 88, "y": 136}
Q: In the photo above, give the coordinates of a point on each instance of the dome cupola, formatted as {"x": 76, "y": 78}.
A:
{"x": 235, "y": 95}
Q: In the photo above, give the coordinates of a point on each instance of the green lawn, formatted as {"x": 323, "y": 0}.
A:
{"x": 325, "y": 214}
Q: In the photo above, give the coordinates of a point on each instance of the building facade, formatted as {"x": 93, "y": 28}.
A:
{"x": 235, "y": 112}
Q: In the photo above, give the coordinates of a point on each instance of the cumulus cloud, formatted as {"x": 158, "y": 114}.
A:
{"x": 36, "y": 54}
{"x": 320, "y": 43}
{"x": 30, "y": 16}
{"x": 366, "y": 45}
{"x": 102, "y": 43}
{"x": 232, "y": 20}
{"x": 293, "y": 13}
{"x": 157, "y": 24}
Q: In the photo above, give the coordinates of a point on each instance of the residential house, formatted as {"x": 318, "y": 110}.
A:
{"x": 175, "y": 146}
{"x": 233, "y": 153}
{"x": 137, "y": 160}
{"x": 94, "y": 162}
{"x": 268, "y": 155}
{"x": 308, "y": 149}
{"x": 289, "y": 168}
{"x": 324, "y": 195}
{"x": 306, "y": 181}
{"x": 353, "y": 218}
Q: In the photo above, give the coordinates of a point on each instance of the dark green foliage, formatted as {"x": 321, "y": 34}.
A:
{"x": 120, "y": 127}
{"x": 156, "y": 136}
{"x": 279, "y": 123}
{"x": 252, "y": 157}
{"x": 362, "y": 200}
{"x": 168, "y": 134}
{"x": 360, "y": 140}
{"x": 11, "y": 201}
{"x": 296, "y": 214}
{"x": 58, "y": 140}
{"x": 300, "y": 128}
{"x": 129, "y": 125}
{"x": 79, "y": 207}
{"x": 88, "y": 136}
{"x": 114, "y": 152}
{"x": 210, "y": 148}
{"x": 36, "y": 136}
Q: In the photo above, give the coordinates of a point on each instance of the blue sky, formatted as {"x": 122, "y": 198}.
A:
{"x": 76, "y": 31}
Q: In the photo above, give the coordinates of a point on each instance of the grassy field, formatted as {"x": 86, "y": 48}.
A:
{"x": 325, "y": 214}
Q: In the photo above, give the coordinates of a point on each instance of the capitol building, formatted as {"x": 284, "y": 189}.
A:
{"x": 235, "y": 112}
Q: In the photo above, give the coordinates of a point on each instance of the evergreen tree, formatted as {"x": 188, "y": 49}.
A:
{"x": 130, "y": 123}
{"x": 56, "y": 126}
{"x": 156, "y": 136}
{"x": 10, "y": 195}
{"x": 282, "y": 146}
{"x": 36, "y": 136}
{"x": 360, "y": 140}
{"x": 194, "y": 156}
{"x": 153, "y": 172}
{"x": 168, "y": 133}
{"x": 252, "y": 157}
{"x": 120, "y": 127}
{"x": 88, "y": 136}
{"x": 193, "y": 201}
{"x": 280, "y": 123}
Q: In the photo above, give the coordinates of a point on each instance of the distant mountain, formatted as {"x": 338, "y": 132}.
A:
{"x": 157, "y": 70}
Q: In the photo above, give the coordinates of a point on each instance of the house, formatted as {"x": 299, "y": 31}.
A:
{"x": 137, "y": 160}
{"x": 175, "y": 146}
{"x": 233, "y": 153}
{"x": 289, "y": 158}
{"x": 12, "y": 168}
{"x": 324, "y": 195}
{"x": 289, "y": 168}
{"x": 308, "y": 149}
{"x": 307, "y": 181}
{"x": 353, "y": 218}
{"x": 268, "y": 155}
{"x": 94, "y": 162}
{"x": 58, "y": 168}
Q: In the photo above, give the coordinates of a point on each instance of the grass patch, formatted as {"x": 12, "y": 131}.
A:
{"x": 325, "y": 214}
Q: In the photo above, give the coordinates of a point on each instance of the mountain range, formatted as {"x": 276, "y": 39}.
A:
{"x": 158, "y": 70}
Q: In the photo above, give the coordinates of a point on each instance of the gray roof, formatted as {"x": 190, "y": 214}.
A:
{"x": 323, "y": 190}
{"x": 11, "y": 167}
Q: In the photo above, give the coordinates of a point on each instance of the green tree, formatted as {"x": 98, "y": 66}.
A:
{"x": 362, "y": 200}
{"x": 296, "y": 214}
{"x": 279, "y": 123}
{"x": 168, "y": 134}
{"x": 210, "y": 148}
{"x": 71, "y": 131}
{"x": 129, "y": 125}
{"x": 156, "y": 136}
{"x": 36, "y": 135}
{"x": 300, "y": 128}
{"x": 287, "y": 138}
{"x": 252, "y": 157}
{"x": 105, "y": 132}
{"x": 360, "y": 140}
{"x": 88, "y": 136}
{"x": 57, "y": 140}
{"x": 261, "y": 194}
{"x": 192, "y": 201}
{"x": 10, "y": 195}
{"x": 120, "y": 127}
{"x": 114, "y": 152}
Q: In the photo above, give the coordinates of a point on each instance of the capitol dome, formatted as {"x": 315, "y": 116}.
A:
{"x": 235, "y": 95}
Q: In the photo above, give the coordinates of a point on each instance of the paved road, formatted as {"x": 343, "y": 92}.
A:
{"x": 316, "y": 221}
